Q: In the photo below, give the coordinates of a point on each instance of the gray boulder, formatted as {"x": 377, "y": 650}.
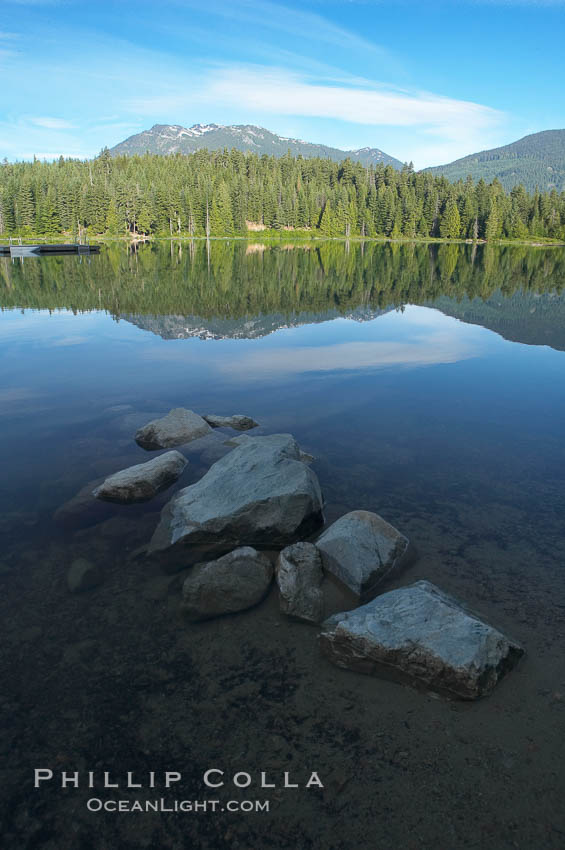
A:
{"x": 237, "y": 421}
{"x": 299, "y": 577}
{"x": 83, "y": 575}
{"x": 260, "y": 494}
{"x": 179, "y": 426}
{"x": 422, "y": 636}
{"x": 232, "y": 583}
{"x": 361, "y": 549}
{"x": 143, "y": 481}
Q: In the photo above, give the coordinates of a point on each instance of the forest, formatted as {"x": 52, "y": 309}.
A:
{"x": 230, "y": 193}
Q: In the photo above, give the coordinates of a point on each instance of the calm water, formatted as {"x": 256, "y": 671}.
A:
{"x": 429, "y": 385}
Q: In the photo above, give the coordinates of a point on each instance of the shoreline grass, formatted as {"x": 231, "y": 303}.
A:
{"x": 259, "y": 237}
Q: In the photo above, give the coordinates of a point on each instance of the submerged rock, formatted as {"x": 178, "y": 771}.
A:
{"x": 83, "y": 575}
{"x": 179, "y": 426}
{"x": 83, "y": 509}
{"x": 299, "y": 577}
{"x": 237, "y": 421}
{"x": 421, "y": 635}
{"x": 361, "y": 549}
{"x": 143, "y": 481}
{"x": 260, "y": 494}
{"x": 232, "y": 583}
{"x": 128, "y": 422}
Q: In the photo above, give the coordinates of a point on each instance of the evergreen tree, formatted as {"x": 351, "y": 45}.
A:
{"x": 450, "y": 223}
{"x": 112, "y": 219}
{"x": 221, "y": 219}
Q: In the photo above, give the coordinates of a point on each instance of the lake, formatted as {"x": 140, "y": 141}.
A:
{"x": 428, "y": 382}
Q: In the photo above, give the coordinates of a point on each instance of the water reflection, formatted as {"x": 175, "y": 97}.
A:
{"x": 421, "y": 343}
{"x": 223, "y": 291}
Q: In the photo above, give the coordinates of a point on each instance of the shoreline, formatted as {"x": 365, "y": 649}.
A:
{"x": 287, "y": 237}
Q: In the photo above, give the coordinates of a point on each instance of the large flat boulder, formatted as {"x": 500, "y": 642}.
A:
{"x": 260, "y": 494}
{"x": 299, "y": 577}
{"x": 143, "y": 481}
{"x": 238, "y": 422}
{"x": 233, "y": 583}
{"x": 179, "y": 426}
{"x": 361, "y": 549}
{"x": 423, "y": 636}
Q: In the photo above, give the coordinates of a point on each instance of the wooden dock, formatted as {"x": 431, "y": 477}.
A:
{"x": 19, "y": 250}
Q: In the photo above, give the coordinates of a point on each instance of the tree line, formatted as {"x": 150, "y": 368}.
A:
{"x": 228, "y": 193}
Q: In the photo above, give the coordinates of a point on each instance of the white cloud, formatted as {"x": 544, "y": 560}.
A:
{"x": 456, "y": 126}
{"x": 438, "y": 348}
{"x": 52, "y": 123}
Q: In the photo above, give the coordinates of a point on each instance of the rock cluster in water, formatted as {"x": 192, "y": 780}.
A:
{"x": 261, "y": 494}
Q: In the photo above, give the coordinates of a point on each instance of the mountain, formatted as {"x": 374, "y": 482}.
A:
{"x": 172, "y": 138}
{"x": 532, "y": 318}
{"x": 250, "y": 327}
{"x": 536, "y": 160}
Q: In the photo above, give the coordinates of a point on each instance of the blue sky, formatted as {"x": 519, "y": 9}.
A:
{"x": 425, "y": 81}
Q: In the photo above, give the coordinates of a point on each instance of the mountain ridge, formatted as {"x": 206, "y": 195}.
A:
{"x": 167, "y": 139}
{"x": 536, "y": 161}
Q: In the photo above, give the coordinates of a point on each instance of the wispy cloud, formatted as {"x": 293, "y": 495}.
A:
{"x": 298, "y": 23}
{"x": 438, "y": 348}
{"x": 267, "y": 91}
{"x": 52, "y": 123}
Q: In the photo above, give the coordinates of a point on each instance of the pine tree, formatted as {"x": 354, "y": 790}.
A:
{"x": 493, "y": 224}
{"x": 221, "y": 220}
{"x": 112, "y": 219}
{"x": 450, "y": 222}
{"x": 25, "y": 207}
